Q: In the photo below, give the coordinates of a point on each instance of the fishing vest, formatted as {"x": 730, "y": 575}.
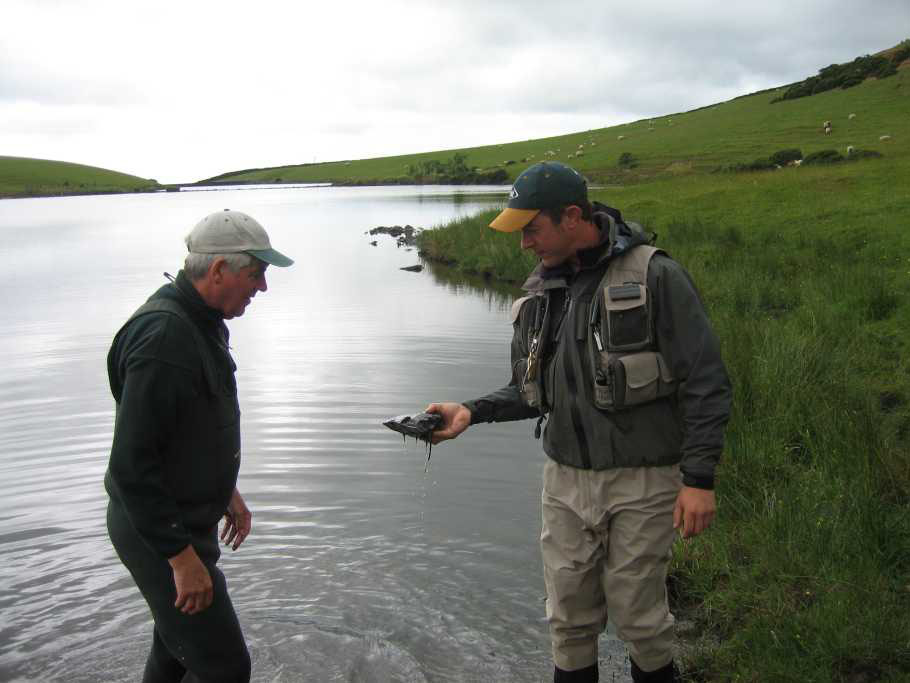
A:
{"x": 624, "y": 366}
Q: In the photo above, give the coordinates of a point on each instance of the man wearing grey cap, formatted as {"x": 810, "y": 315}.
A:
{"x": 612, "y": 347}
{"x": 175, "y": 456}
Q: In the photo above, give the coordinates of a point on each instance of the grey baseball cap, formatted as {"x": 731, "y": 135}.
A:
{"x": 233, "y": 232}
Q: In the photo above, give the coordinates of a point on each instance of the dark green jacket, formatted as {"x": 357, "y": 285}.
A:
{"x": 685, "y": 428}
{"x": 176, "y": 449}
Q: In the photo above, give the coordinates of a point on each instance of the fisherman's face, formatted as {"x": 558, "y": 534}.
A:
{"x": 549, "y": 241}
{"x": 237, "y": 289}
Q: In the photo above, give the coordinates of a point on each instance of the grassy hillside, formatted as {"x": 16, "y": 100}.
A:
{"x": 806, "y": 275}
{"x": 23, "y": 177}
{"x": 669, "y": 146}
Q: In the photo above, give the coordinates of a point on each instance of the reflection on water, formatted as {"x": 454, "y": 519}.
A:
{"x": 361, "y": 566}
{"x": 499, "y": 295}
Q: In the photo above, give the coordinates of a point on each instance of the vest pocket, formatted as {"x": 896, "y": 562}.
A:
{"x": 627, "y": 317}
{"x": 632, "y": 379}
{"x": 639, "y": 378}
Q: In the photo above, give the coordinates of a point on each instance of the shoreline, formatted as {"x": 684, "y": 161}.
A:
{"x": 221, "y": 186}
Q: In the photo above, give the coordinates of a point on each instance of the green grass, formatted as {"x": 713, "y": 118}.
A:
{"x": 23, "y": 177}
{"x": 692, "y": 143}
{"x": 806, "y": 274}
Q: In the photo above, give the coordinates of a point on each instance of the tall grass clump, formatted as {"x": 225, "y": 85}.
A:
{"x": 477, "y": 248}
{"x": 806, "y": 576}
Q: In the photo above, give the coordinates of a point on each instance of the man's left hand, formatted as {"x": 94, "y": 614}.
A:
{"x": 694, "y": 511}
{"x": 238, "y": 520}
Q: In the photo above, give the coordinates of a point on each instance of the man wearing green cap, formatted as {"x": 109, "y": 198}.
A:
{"x": 612, "y": 347}
{"x": 176, "y": 450}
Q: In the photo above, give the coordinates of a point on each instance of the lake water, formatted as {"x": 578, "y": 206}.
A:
{"x": 361, "y": 567}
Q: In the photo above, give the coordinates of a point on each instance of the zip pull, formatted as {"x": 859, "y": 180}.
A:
{"x": 537, "y": 428}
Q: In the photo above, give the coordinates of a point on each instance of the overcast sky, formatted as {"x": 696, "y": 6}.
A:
{"x": 180, "y": 91}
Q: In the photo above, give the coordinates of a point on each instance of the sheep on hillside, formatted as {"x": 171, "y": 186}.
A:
{"x": 620, "y": 137}
{"x": 884, "y": 138}
{"x": 851, "y": 116}
{"x": 579, "y": 153}
{"x": 849, "y": 150}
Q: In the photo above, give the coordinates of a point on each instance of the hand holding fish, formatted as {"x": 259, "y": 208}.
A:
{"x": 456, "y": 418}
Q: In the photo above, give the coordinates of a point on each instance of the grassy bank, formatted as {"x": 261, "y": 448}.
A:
{"x": 23, "y": 177}
{"x": 806, "y": 273}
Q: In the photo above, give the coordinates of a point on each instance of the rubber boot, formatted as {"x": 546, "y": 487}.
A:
{"x": 587, "y": 675}
{"x": 665, "y": 674}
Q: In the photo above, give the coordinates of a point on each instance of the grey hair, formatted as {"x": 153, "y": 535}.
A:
{"x": 197, "y": 265}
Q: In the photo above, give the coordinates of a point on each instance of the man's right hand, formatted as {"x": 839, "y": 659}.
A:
{"x": 455, "y": 419}
{"x": 192, "y": 580}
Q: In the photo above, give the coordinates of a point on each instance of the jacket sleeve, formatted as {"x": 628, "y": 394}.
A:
{"x": 151, "y": 390}
{"x": 506, "y": 404}
{"x": 689, "y": 345}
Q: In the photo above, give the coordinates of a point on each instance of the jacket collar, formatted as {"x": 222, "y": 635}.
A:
{"x": 183, "y": 291}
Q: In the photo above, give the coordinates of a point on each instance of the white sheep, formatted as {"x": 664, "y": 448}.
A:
{"x": 571, "y": 156}
{"x": 884, "y": 138}
{"x": 849, "y": 150}
{"x": 851, "y": 116}
{"x": 797, "y": 162}
{"x": 579, "y": 153}
{"x": 620, "y": 137}
{"x": 827, "y": 130}
{"x": 826, "y": 124}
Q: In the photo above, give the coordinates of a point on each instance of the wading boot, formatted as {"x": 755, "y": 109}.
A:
{"x": 587, "y": 675}
{"x": 665, "y": 674}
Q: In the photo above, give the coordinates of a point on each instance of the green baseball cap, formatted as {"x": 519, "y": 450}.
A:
{"x": 234, "y": 232}
{"x": 546, "y": 185}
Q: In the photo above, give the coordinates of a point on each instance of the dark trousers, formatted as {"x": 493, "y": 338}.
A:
{"x": 206, "y": 647}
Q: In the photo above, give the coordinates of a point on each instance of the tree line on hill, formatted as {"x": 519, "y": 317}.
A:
{"x": 848, "y": 75}
{"x": 454, "y": 171}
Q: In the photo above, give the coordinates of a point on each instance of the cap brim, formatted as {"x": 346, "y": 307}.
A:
{"x": 272, "y": 257}
{"x": 511, "y": 220}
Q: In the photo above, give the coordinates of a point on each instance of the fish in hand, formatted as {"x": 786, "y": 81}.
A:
{"x": 420, "y": 426}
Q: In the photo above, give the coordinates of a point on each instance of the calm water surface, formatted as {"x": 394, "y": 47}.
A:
{"x": 360, "y": 567}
